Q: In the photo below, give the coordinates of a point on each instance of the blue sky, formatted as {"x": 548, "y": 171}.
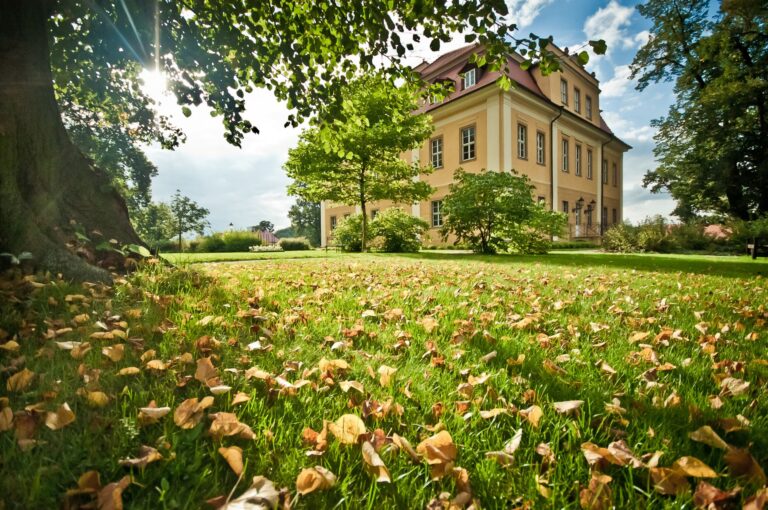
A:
{"x": 245, "y": 186}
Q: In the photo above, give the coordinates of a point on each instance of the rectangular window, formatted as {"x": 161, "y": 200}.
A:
{"x": 565, "y": 207}
{"x": 374, "y": 213}
{"x": 333, "y": 222}
{"x": 468, "y": 143}
{"x": 577, "y": 100}
{"x": 588, "y": 106}
{"x": 346, "y": 216}
{"x": 565, "y": 155}
{"x": 589, "y": 164}
{"x": 615, "y": 175}
{"x": 522, "y": 141}
{"x": 470, "y": 78}
{"x": 541, "y": 200}
{"x": 604, "y": 217}
{"x": 563, "y": 91}
{"x": 615, "y": 216}
{"x": 605, "y": 171}
{"x": 437, "y": 213}
{"x": 540, "y": 143}
{"x": 578, "y": 160}
{"x": 436, "y": 152}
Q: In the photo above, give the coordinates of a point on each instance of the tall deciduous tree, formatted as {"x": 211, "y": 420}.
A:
{"x": 494, "y": 211}
{"x": 712, "y": 147}
{"x": 154, "y": 223}
{"x": 355, "y": 159}
{"x": 188, "y": 216}
{"x": 84, "y": 59}
{"x": 305, "y": 220}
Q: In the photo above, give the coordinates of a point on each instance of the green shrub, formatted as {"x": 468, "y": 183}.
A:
{"x": 166, "y": 246}
{"x": 295, "y": 244}
{"x": 653, "y": 234}
{"x": 574, "y": 245}
{"x": 240, "y": 240}
{"x": 348, "y": 234}
{"x": 394, "y": 230}
{"x": 621, "y": 238}
{"x": 211, "y": 244}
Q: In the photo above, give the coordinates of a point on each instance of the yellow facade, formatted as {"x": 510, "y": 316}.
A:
{"x": 515, "y": 130}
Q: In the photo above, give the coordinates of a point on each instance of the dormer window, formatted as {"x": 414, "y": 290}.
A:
{"x": 469, "y": 79}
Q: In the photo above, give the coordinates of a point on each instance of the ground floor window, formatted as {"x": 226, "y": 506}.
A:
{"x": 615, "y": 216}
{"x": 437, "y": 213}
{"x": 333, "y": 222}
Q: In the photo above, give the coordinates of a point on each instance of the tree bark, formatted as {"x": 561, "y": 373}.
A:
{"x": 364, "y": 227}
{"x": 47, "y": 186}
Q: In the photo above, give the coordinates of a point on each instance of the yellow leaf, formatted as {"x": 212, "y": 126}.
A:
{"x": 147, "y": 454}
{"x": 19, "y": 381}
{"x": 190, "y": 412}
{"x": 347, "y": 428}
{"x": 10, "y": 346}
{"x": 114, "y": 352}
{"x": 129, "y": 371}
{"x": 6, "y": 419}
{"x": 234, "y": 457}
{"x": 708, "y": 436}
{"x": 240, "y": 398}
{"x": 227, "y": 424}
{"x": 374, "y": 464}
{"x": 61, "y": 418}
{"x": 385, "y": 375}
{"x": 438, "y": 449}
{"x": 533, "y": 414}
{"x": 97, "y": 399}
{"x": 692, "y": 466}
{"x": 314, "y": 479}
{"x": 429, "y": 324}
{"x": 669, "y": 482}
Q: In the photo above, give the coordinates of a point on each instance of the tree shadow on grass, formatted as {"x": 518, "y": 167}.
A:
{"x": 731, "y": 267}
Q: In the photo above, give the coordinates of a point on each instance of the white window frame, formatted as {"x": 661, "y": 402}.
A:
{"x": 541, "y": 143}
{"x": 468, "y": 139}
{"x": 564, "y": 91}
{"x": 589, "y": 164}
{"x": 577, "y": 100}
{"x": 578, "y": 159}
{"x": 522, "y": 141}
{"x": 334, "y": 222}
{"x": 605, "y": 171}
{"x": 565, "y": 155}
{"x": 436, "y": 154}
{"x": 566, "y": 207}
{"x": 437, "y": 213}
{"x": 588, "y": 107}
{"x": 469, "y": 79}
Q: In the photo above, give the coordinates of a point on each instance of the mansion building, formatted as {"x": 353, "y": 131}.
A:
{"x": 548, "y": 128}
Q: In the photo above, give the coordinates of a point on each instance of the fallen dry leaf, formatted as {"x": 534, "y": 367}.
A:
{"x": 97, "y": 399}
{"x": 61, "y": 418}
{"x": 20, "y": 381}
{"x": 708, "y": 436}
{"x": 6, "y": 419}
{"x": 354, "y": 385}
{"x": 669, "y": 482}
{"x": 403, "y": 444}
{"x": 147, "y": 454}
{"x": 111, "y": 496}
{"x": 190, "y": 412}
{"x": 227, "y": 424}
{"x": 347, "y": 428}
{"x": 114, "y": 352}
{"x": 568, "y": 407}
{"x": 533, "y": 414}
{"x": 741, "y": 464}
{"x": 262, "y": 495}
{"x": 439, "y": 451}
{"x": 710, "y": 497}
{"x": 206, "y": 373}
{"x": 151, "y": 414}
{"x": 314, "y": 479}
{"x": 129, "y": 371}
{"x": 691, "y": 466}
{"x": 374, "y": 464}
{"x": 240, "y": 398}
{"x": 429, "y": 324}
{"x": 597, "y": 495}
{"x": 758, "y": 501}
{"x": 385, "y": 375}
{"x": 234, "y": 457}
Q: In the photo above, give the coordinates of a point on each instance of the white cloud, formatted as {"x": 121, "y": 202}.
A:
{"x": 618, "y": 85}
{"x": 627, "y": 130}
{"x": 642, "y": 37}
{"x": 610, "y": 23}
{"x": 524, "y": 12}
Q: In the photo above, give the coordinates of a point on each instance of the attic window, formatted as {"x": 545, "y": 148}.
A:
{"x": 469, "y": 79}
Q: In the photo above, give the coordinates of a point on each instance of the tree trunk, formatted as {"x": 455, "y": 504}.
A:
{"x": 364, "y": 232}
{"x": 47, "y": 187}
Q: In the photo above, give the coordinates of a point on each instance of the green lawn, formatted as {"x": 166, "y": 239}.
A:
{"x": 655, "y": 347}
{"x": 195, "y": 258}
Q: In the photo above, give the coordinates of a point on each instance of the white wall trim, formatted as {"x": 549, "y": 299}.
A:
{"x": 507, "y": 133}
{"x": 323, "y": 226}
{"x": 555, "y": 164}
{"x": 493, "y": 161}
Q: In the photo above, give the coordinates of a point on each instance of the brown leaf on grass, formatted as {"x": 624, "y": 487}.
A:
{"x": 157, "y": 365}
{"x": 19, "y": 381}
{"x": 733, "y": 387}
{"x": 710, "y": 497}
{"x": 262, "y": 495}
{"x": 741, "y": 464}
{"x": 240, "y": 398}
{"x": 533, "y": 414}
{"x": 147, "y": 454}
{"x": 709, "y": 437}
{"x": 669, "y": 482}
{"x": 374, "y": 464}
{"x": 257, "y": 373}
{"x": 553, "y": 369}
{"x": 758, "y": 501}
{"x": 234, "y": 457}
{"x": 403, "y": 444}
{"x": 61, "y": 418}
{"x": 97, "y": 399}
{"x": 227, "y": 424}
{"x": 597, "y": 495}
{"x": 385, "y": 375}
{"x": 206, "y": 373}
{"x": 111, "y": 496}
{"x": 152, "y": 414}
{"x": 439, "y": 451}
{"x": 129, "y": 371}
{"x": 190, "y": 412}
{"x": 314, "y": 479}
{"x": 332, "y": 365}
{"x": 10, "y": 346}
{"x": 351, "y": 385}
{"x": 114, "y": 352}
{"x": 6, "y": 419}
{"x": 429, "y": 324}
{"x": 80, "y": 350}
{"x": 692, "y": 466}
{"x": 568, "y": 407}
{"x": 506, "y": 456}
{"x": 347, "y": 428}
{"x": 492, "y": 413}
{"x": 88, "y": 483}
